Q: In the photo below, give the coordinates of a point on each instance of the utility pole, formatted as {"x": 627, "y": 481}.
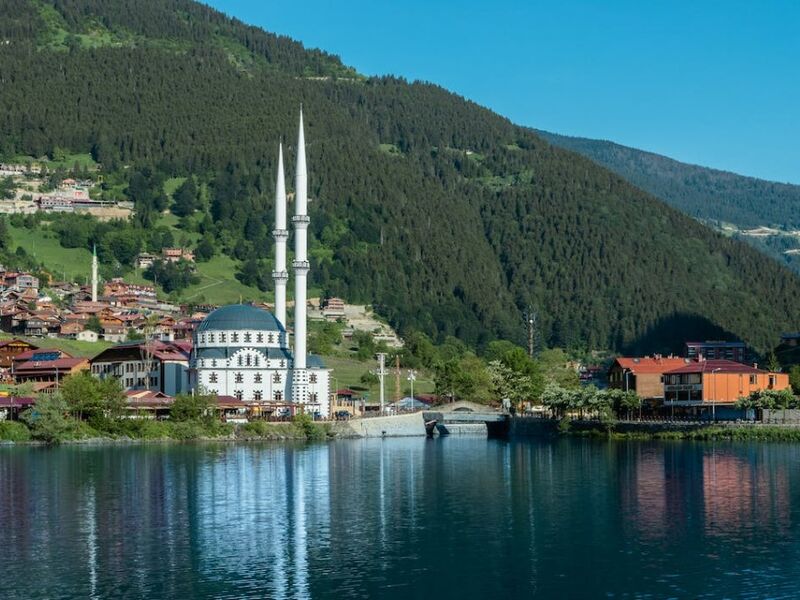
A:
{"x": 412, "y": 377}
{"x": 381, "y": 373}
{"x": 530, "y": 317}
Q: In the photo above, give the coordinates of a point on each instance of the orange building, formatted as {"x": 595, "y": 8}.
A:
{"x": 704, "y": 383}
{"x": 642, "y": 375}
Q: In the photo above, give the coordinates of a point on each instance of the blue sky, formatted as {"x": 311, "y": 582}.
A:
{"x": 715, "y": 83}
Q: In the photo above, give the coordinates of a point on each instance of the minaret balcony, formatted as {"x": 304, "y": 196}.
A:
{"x": 301, "y": 265}
{"x": 280, "y": 275}
{"x": 280, "y": 234}
{"x": 298, "y": 219}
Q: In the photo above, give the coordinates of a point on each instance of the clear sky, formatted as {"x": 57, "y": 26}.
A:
{"x": 715, "y": 83}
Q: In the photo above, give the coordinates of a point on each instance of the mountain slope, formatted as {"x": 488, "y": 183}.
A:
{"x": 701, "y": 192}
{"x": 447, "y": 217}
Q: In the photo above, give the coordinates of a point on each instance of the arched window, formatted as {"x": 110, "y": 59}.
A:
{"x": 312, "y": 378}
{"x": 213, "y": 362}
{"x": 260, "y": 337}
{"x": 257, "y": 378}
{"x": 276, "y": 378}
{"x": 211, "y": 338}
{"x": 247, "y": 337}
{"x": 270, "y": 338}
{"x": 235, "y": 337}
{"x": 238, "y": 378}
{"x": 249, "y": 360}
{"x": 239, "y": 360}
{"x": 222, "y": 337}
{"x": 312, "y": 397}
{"x": 212, "y": 378}
{"x": 239, "y": 395}
{"x": 278, "y": 396}
{"x": 257, "y": 395}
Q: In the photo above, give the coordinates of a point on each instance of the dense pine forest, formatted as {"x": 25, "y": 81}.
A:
{"x": 447, "y": 217}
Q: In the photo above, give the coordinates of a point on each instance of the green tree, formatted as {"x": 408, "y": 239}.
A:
{"x": 47, "y": 419}
{"x": 185, "y": 199}
{"x": 794, "y": 379}
{"x": 193, "y": 407}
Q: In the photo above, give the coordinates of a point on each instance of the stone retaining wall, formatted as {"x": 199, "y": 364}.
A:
{"x": 394, "y": 426}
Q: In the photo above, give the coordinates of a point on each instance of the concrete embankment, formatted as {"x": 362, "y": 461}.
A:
{"x": 394, "y": 426}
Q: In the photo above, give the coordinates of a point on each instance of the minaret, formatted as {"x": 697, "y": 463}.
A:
{"x": 301, "y": 266}
{"x": 279, "y": 275}
{"x": 94, "y": 273}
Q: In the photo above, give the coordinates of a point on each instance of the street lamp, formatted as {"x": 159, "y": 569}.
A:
{"x": 412, "y": 377}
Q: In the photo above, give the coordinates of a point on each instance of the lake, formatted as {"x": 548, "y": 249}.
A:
{"x": 401, "y": 518}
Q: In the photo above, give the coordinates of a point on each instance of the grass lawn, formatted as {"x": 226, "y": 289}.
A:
{"x": 347, "y": 372}
{"x": 74, "y": 347}
{"x": 218, "y": 284}
{"x": 74, "y": 264}
{"x": 67, "y": 161}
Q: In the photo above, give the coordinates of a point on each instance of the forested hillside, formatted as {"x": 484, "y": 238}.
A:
{"x": 701, "y": 192}
{"x": 446, "y": 216}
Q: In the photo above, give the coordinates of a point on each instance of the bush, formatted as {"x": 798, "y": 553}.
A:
{"x": 310, "y": 429}
{"x": 13, "y": 431}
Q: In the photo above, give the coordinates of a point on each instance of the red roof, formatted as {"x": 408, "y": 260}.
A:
{"x": 716, "y": 365}
{"x": 14, "y": 402}
{"x": 28, "y": 354}
{"x": 651, "y": 365}
{"x": 62, "y": 364}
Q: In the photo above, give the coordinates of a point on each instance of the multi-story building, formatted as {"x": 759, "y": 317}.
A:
{"x": 718, "y": 350}
{"x": 642, "y": 374}
{"x": 716, "y": 384}
{"x": 152, "y": 365}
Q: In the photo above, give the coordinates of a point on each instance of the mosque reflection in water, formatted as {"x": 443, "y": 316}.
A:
{"x": 384, "y": 517}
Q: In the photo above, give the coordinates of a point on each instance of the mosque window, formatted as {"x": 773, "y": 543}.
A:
{"x": 213, "y": 362}
{"x": 257, "y": 396}
{"x": 247, "y": 338}
{"x": 239, "y": 395}
{"x": 213, "y": 378}
{"x": 312, "y": 397}
{"x": 257, "y": 378}
{"x": 270, "y": 338}
{"x": 249, "y": 360}
{"x": 312, "y": 378}
{"x": 278, "y": 396}
{"x": 282, "y": 363}
{"x": 235, "y": 337}
{"x": 238, "y": 378}
{"x": 211, "y": 338}
{"x": 203, "y": 338}
{"x": 260, "y": 338}
{"x": 257, "y": 360}
{"x": 239, "y": 361}
{"x": 222, "y": 337}
{"x": 276, "y": 378}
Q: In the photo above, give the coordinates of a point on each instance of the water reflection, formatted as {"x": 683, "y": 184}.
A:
{"x": 400, "y": 518}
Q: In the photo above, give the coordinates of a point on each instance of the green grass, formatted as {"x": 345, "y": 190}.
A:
{"x": 74, "y": 264}
{"x": 347, "y": 372}
{"x": 172, "y": 184}
{"x": 390, "y": 149}
{"x": 218, "y": 283}
{"x": 66, "y": 162}
{"x": 76, "y": 348}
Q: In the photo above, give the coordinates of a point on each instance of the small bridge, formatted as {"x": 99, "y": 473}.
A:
{"x": 465, "y": 417}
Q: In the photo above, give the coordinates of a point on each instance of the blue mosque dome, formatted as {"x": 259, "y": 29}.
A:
{"x": 240, "y": 317}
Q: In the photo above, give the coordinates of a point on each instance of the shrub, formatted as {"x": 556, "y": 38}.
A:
{"x": 13, "y": 431}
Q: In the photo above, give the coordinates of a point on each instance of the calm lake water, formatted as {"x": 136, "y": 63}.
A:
{"x": 401, "y": 518}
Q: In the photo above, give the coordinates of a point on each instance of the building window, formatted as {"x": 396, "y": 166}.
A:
{"x": 312, "y": 378}
{"x": 238, "y": 378}
{"x": 276, "y": 378}
{"x": 257, "y": 360}
{"x": 257, "y": 396}
{"x": 278, "y": 396}
{"x": 239, "y": 361}
{"x": 249, "y": 360}
{"x": 257, "y": 378}
{"x": 271, "y": 338}
{"x": 222, "y": 337}
{"x": 235, "y": 337}
{"x": 753, "y": 379}
{"x": 239, "y": 395}
{"x": 211, "y": 338}
{"x": 247, "y": 338}
{"x": 282, "y": 363}
{"x": 312, "y": 397}
{"x": 213, "y": 362}
{"x": 213, "y": 378}
{"x": 772, "y": 381}
{"x": 260, "y": 338}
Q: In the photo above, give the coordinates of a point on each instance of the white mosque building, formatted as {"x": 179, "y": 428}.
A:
{"x": 244, "y": 351}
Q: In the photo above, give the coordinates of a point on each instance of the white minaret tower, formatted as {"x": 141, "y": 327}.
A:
{"x": 301, "y": 266}
{"x": 94, "y": 273}
{"x": 279, "y": 275}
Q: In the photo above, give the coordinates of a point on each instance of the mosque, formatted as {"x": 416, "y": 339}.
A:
{"x": 244, "y": 351}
